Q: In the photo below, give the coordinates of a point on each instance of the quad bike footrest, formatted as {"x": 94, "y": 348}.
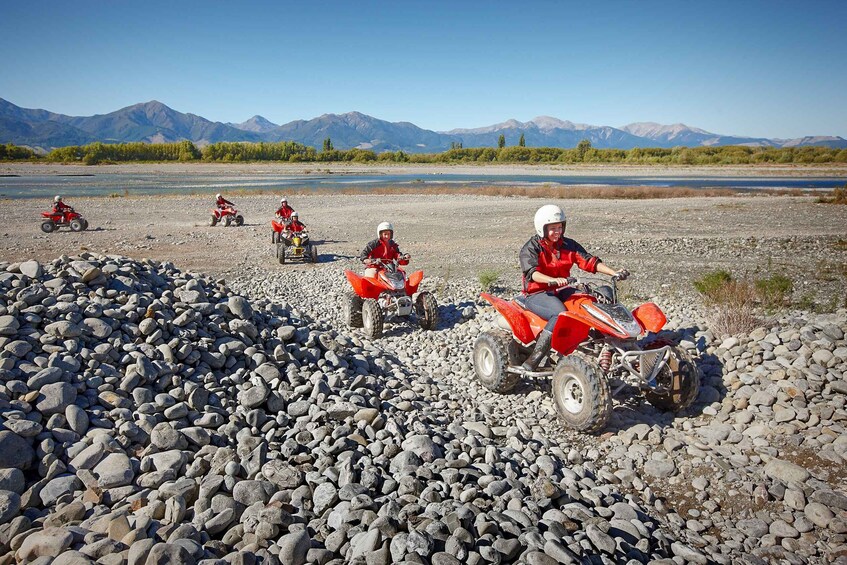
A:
{"x": 523, "y": 372}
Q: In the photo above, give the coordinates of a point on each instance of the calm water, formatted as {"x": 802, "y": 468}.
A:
{"x": 105, "y": 184}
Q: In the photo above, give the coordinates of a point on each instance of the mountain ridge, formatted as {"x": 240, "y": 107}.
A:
{"x": 154, "y": 121}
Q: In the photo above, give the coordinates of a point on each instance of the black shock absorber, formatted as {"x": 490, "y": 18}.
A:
{"x": 605, "y": 359}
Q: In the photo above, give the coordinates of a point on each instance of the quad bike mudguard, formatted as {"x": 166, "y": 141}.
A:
{"x": 278, "y": 228}
{"x": 413, "y": 281}
{"x": 568, "y": 333}
{"x": 514, "y": 316}
{"x": 363, "y": 286}
{"x": 650, "y": 317}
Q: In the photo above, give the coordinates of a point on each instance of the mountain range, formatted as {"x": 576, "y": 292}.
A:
{"x": 154, "y": 122}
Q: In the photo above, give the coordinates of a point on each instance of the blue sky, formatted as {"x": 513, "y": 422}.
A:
{"x": 771, "y": 69}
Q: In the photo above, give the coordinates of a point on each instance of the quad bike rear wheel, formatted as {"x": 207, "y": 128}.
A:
{"x": 427, "y": 310}
{"x": 76, "y": 225}
{"x": 493, "y": 352}
{"x": 273, "y": 236}
{"x": 48, "y": 226}
{"x": 280, "y": 253}
{"x": 227, "y": 220}
{"x": 314, "y": 253}
{"x": 680, "y": 376}
{"x": 84, "y": 224}
{"x": 581, "y": 394}
{"x": 353, "y": 309}
{"x": 213, "y": 220}
{"x": 373, "y": 319}
{"x": 239, "y": 220}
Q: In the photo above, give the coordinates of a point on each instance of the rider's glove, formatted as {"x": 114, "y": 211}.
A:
{"x": 623, "y": 274}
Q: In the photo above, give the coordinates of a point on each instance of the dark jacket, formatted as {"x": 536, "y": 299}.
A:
{"x": 378, "y": 249}
{"x": 553, "y": 260}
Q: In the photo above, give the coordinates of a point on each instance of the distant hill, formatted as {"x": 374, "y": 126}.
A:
{"x": 156, "y": 123}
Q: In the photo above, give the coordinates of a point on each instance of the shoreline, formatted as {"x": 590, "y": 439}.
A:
{"x": 506, "y": 169}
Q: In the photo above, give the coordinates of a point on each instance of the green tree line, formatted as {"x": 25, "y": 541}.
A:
{"x": 9, "y": 152}
{"x": 289, "y": 151}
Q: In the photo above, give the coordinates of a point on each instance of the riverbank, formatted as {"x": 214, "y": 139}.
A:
{"x": 274, "y": 168}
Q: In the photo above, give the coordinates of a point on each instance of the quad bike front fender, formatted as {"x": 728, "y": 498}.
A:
{"x": 413, "y": 282}
{"x": 362, "y": 286}
{"x": 650, "y": 317}
{"x": 278, "y": 228}
{"x": 568, "y": 333}
{"x": 514, "y": 317}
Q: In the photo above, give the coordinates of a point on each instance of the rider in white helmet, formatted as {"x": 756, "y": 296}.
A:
{"x": 383, "y": 248}
{"x": 284, "y": 211}
{"x": 58, "y": 206}
{"x": 221, "y": 201}
{"x": 546, "y": 261}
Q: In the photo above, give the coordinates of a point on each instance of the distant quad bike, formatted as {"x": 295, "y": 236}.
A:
{"x": 292, "y": 245}
{"x": 51, "y": 221}
{"x": 597, "y": 343}
{"x": 387, "y": 295}
{"x": 227, "y": 215}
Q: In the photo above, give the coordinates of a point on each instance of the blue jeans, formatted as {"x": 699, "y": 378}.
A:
{"x": 548, "y": 305}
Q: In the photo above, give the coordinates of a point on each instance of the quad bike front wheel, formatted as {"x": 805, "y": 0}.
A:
{"x": 48, "y": 226}
{"x": 314, "y": 253}
{"x": 493, "y": 352}
{"x": 213, "y": 220}
{"x": 373, "y": 319}
{"x": 76, "y": 225}
{"x": 239, "y": 220}
{"x": 679, "y": 376}
{"x": 227, "y": 220}
{"x": 581, "y": 394}
{"x": 353, "y": 309}
{"x": 427, "y": 310}
{"x": 280, "y": 253}
{"x": 84, "y": 224}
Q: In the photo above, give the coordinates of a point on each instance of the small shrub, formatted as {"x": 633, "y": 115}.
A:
{"x": 115, "y": 195}
{"x": 712, "y": 284}
{"x": 774, "y": 290}
{"x": 807, "y": 302}
{"x": 837, "y": 196}
{"x": 731, "y": 304}
{"x": 487, "y": 279}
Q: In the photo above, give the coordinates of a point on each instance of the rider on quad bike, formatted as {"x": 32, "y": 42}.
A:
{"x": 546, "y": 261}
{"x": 284, "y": 211}
{"x": 60, "y": 207}
{"x": 296, "y": 225}
{"x": 384, "y": 248}
{"x": 222, "y": 202}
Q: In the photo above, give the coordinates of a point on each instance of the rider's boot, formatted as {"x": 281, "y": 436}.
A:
{"x": 542, "y": 347}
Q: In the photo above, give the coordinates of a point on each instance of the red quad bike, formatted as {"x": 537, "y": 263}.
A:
{"x": 51, "y": 221}
{"x": 387, "y": 295}
{"x": 227, "y": 215}
{"x": 292, "y": 245}
{"x": 597, "y": 343}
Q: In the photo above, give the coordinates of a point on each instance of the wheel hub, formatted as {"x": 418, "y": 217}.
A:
{"x": 572, "y": 395}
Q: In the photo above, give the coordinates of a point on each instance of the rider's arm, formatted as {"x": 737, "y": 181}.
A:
{"x": 366, "y": 252}
{"x": 540, "y": 277}
{"x": 605, "y": 269}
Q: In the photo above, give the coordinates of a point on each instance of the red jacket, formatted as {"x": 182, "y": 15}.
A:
{"x": 381, "y": 249}
{"x": 221, "y": 202}
{"x": 285, "y": 211}
{"x": 60, "y": 207}
{"x": 553, "y": 260}
{"x": 296, "y": 226}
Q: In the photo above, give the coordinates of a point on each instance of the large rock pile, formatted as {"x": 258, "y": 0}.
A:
{"x": 153, "y": 416}
{"x": 754, "y": 471}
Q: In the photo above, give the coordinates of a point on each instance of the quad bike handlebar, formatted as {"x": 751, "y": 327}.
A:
{"x": 380, "y": 261}
{"x": 587, "y": 286}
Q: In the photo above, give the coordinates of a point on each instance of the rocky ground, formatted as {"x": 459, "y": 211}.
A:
{"x": 151, "y": 415}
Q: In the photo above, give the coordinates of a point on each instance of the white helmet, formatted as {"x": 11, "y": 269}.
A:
{"x": 57, "y": 198}
{"x": 384, "y": 226}
{"x": 218, "y": 195}
{"x": 549, "y": 214}
{"x": 295, "y": 215}
{"x": 283, "y": 200}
